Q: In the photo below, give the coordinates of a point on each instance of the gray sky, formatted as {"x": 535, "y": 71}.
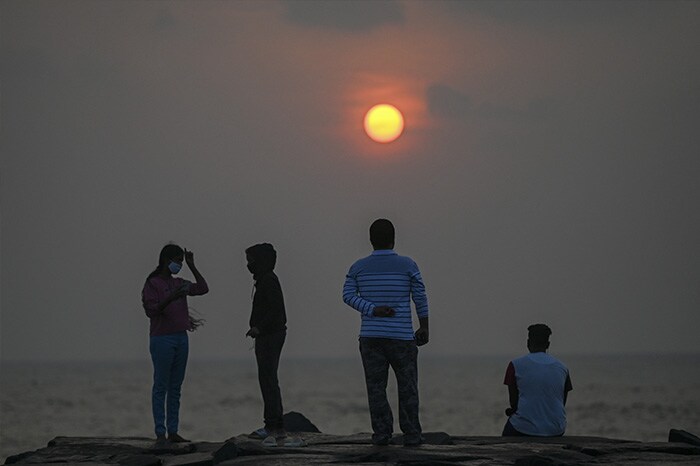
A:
{"x": 549, "y": 170}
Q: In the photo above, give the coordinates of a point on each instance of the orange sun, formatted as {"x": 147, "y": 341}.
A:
{"x": 383, "y": 123}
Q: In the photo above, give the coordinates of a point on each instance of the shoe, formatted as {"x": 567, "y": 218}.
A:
{"x": 175, "y": 438}
{"x": 270, "y": 441}
{"x": 161, "y": 441}
{"x": 412, "y": 441}
{"x": 279, "y": 434}
{"x": 380, "y": 440}
{"x": 295, "y": 442}
{"x": 261, "y": 433}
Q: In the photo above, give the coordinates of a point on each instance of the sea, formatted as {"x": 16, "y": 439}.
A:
{"x": 637, "y": 397}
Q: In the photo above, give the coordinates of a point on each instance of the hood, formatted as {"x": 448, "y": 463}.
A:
{"x": 263, "y": 257}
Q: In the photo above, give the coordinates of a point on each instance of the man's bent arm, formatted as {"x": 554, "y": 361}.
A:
{"x": 352, "y": 299}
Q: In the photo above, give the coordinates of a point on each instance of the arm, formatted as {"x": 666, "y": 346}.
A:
{"x": 200, "y": 286}
{"x": 513, "y": 393}
{"x": 420, "y": 299}
{"x": 151, "y": 302}
{"x": 567, "y": 388}
{"x": 423, "y": 332}
{"x": 513, "y": 396}
{"x": 351, "y": 297}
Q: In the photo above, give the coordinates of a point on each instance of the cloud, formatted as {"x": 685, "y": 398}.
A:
{"x": 446, "y": 102}
{"x": 345, "y": 15}
{"x": 554, "y": 12}
{"x": 449, "y": 103}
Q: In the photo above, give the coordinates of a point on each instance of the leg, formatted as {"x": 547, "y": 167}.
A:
{"x": 177, "y": 376}
{"x": 268, "y": 349}
{"x": 376, "y": 368}
{"x": 509, "y": 431}
{"x": 162, "y": 355}
{"x": 404, "y": 360}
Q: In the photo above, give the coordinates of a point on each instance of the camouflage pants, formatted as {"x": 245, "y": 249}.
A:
{"x": 402, "y": 355}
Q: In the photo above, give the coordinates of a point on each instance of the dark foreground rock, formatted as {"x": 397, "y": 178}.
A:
{"x": 439, "y": 449}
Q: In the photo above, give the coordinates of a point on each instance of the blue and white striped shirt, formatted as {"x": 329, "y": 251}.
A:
{"x": 386, "y": 279}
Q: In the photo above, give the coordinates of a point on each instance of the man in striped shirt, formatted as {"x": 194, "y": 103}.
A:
{"x": 380, "y": 287}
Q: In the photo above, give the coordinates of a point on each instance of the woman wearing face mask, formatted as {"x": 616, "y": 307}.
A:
{"x": 165, "y": 302}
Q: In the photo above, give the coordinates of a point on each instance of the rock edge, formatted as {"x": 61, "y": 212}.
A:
{"x": 438, "y": 450}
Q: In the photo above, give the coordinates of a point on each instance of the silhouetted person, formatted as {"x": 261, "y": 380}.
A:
{"x": 538, "y": 385}
{"x": 268, "y": 327}
{"x": 164, "y": 299}
{"x": 380, "y": 287}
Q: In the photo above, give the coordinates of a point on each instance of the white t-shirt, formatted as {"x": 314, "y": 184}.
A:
{"x": 542, "y": 381}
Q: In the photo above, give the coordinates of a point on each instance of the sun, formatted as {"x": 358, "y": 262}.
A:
{"x": 383, "y": 123}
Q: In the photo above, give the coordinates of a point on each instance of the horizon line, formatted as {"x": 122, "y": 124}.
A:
{"x": 347, "y": 357}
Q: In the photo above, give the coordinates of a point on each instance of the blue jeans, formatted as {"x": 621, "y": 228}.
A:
{"x": 169, "y": 356}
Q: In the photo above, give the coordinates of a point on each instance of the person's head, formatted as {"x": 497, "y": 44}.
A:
{"x": 381, "y": 234}
{"x": 538, "y": 338}
{"x": 169, "y": 260}
{"x": 261, "y": 258}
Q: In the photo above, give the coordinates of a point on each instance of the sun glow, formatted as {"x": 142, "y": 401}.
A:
{"x": 384, "y": 123}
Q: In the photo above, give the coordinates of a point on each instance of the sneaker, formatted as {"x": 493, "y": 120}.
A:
{"x": 270, "y": 441}
{"x": 261, "y": 433}
{"x": 175, "y": 438}
{"x": 380, "y": 440}
{"x": 412, "y": 440}
{"x": 279, "y": 434}
{"x": 294, "y": 442}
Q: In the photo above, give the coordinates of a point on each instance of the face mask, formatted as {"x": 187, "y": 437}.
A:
{"x": 174, "y": 267}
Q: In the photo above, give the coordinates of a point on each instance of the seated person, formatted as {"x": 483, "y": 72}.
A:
{"x": 538, "y": 385}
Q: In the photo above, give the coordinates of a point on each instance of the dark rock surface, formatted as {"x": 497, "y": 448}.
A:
{"x": 682, "y": 436}
{"x": 439, "y": 449}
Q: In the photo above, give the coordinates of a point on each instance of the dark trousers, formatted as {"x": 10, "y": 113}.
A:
{"x": 509, "y": 431}
{"x": 402, "y": 355}
{"x": 268, "y": 349}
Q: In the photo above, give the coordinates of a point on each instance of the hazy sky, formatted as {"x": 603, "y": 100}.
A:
{"x": 549, "y": 170}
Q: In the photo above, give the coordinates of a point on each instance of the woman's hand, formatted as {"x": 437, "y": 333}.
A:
{"x": 253, "y": 332}
{"x": 189, "y": 258}
{"x": 177, "y": 294}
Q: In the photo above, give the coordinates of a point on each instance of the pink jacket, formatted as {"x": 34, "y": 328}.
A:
{"x": 175, "y": 317}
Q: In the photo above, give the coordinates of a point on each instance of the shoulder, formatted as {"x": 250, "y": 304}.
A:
{"x": 359, "y": 264}
{"x": 407, "y": 262}
{"x": 560, "y": 364}
{"x": 154, "y": 282}
{"x": 406, "y": 259}
{"x": 553, "y": 360}
{"x": 521, "y": 360}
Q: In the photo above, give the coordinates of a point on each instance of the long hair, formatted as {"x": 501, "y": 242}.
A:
{"x": 168, "y": 253}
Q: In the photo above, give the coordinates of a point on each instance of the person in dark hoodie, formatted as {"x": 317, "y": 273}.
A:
{"x": 268, "y": 326}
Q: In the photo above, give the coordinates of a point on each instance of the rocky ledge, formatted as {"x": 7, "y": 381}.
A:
{"x": 439, "y": 449}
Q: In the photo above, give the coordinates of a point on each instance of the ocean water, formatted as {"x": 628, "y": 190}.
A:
{"x": 636, "y": 397}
